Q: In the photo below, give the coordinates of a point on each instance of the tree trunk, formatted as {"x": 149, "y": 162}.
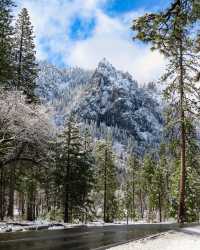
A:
{"x": 67, "y": 195}
{"x": 105, "y": 215}
{"x": 31, "y": 205}
{"x": 2, "y": 194}
{"x": 19, "y": 69}
{"x": 21, "y": 204}
{"x": 182, "y": 194}
{"x": 67, "y": 183}
{"x": 127, "y": 217}
{"x": 160, "y": 207}
{"x": 182, "y": 207}
{"x": 66, "y": 205}
{"x": 141, "y": 205}
{"x": 11, "y": 192}
{"x": 133, "y": 197}
{"x": 48, "y": 205}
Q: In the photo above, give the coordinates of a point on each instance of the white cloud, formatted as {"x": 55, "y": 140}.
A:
{"x": 111, "y": 37}
{"x": 52, "y": 18}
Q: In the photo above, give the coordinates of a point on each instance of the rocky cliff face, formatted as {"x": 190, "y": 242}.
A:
{"x": 105, "y": 96}
{"x": 114, "y": 98}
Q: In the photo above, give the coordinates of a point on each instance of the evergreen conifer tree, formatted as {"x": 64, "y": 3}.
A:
{"x": 75, "y": 167}
{"x": 170, "y": 32}
{"x": 106, "y": 180}
{"x": 24, "y": 50}
{"x": 131, "y": 185}
{"x": 6, "y": 32}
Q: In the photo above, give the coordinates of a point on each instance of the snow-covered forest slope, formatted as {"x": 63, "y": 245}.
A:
{"x": 105, "y": 97}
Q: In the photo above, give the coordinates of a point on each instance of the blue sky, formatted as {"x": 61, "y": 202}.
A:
{"x": 82, "y": 32}
{"x": 116, "y": 7}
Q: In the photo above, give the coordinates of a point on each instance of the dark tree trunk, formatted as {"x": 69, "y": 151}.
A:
{"x": 66, "y": 205}
{"x": 19, "y": 67}
{"x": 182, "y": 194}
{"x": 67, "y": 184}
{"x": 21, "y": 204}
{"x": 11, "y": 193}
{"x": 127, "y": 217}
{"x": 67, "y": 195}
{"x": 160, "y": 207}
{"x": 29, "y": 211}
{"x": 141, "y": 205}
{"x": 48, "y": 205}
{"x": 31, "y": 205}
{"x": 133, "y": 198}
{"x": 105, "y": 214}
{"x": 182, "y": 207}
{"x": 2, "y": 194}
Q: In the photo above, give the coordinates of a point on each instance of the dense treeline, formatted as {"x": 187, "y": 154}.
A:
{"x": 172, "y": 33}
{"x": 76, "y": 173}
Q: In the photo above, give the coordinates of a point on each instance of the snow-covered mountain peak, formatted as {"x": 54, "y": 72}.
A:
{"x": 104, "y": 62}
{"x": 114, "y": 77}
{"x": 106, "y": 68}
{"x": 104, "y": 97}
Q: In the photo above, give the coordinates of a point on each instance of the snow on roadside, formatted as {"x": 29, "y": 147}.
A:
{"x": 186, "y": 239}
{"x": 18, "y": 226}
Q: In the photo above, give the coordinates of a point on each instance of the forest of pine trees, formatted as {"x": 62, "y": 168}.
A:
{"x": 67, "y": 174}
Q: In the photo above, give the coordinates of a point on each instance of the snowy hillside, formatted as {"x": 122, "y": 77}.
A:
{"x": 54, "y": 84}
{"x": 106, "y": 96}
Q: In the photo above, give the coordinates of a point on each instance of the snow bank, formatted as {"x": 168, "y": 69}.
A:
{"x": 19, "y": 226}
{"x": 185, "y": 239}
{"x": 15, "y": 226}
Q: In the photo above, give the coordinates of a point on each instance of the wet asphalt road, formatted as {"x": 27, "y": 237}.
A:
{"x": 79, "y": 238}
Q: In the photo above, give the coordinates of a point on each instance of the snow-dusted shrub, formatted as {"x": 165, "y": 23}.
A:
{"x": 25, "y": 130}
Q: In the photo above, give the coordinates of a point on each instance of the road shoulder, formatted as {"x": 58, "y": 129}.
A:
{"x": 182, "y": 239}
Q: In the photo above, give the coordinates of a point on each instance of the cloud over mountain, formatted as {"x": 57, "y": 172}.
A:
{"x": 82, "y": 32}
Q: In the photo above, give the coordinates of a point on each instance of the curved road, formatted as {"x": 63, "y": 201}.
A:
{"x": 83, "y": 238}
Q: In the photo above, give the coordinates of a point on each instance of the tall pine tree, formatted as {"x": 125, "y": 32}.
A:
{"x": 131, "y": 185}
{"x": 106, "y": 179}
{"x": 24, "y": 49}
{"x": 170, "y": 32}
{"x": 75, "y": 167}
{"x": 6, "y": 32}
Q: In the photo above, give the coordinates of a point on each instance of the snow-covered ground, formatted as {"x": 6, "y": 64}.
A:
{"x": 17, "y": 226}
{"x": 20, "y": 226}
{"x": 185, "y": 239}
